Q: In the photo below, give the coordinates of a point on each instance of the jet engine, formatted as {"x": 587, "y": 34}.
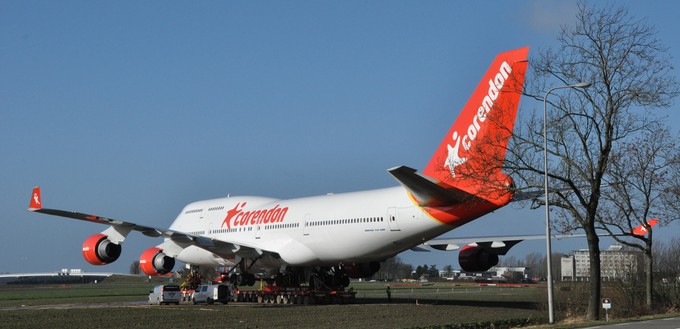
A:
{"x": 361, "y": 270}
{"x": 154, "y": 262}
{"x": 476, "y": 259}
{"x": 99, "y": 250}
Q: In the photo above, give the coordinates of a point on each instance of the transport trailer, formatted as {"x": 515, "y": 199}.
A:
{"x": 294, "y": 295}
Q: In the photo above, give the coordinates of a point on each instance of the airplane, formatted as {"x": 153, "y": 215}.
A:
{"x": 346, "y": 235}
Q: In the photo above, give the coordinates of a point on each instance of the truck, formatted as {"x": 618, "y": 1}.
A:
{"x": 164, "y": 294}
{"x": 211, "y": 293}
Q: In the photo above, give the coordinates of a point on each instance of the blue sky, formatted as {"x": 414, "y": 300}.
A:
{"x": 131, "y": 110}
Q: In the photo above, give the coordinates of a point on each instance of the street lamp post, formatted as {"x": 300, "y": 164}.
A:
{"x": 548, "y": 244}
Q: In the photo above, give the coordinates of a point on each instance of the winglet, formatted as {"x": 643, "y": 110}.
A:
{"x": 36, "y": 200}
{"x": 641, "y": 230}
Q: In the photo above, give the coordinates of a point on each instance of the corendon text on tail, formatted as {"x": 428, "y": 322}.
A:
{"x": 495, "y": 86}
{"x": 254, "y": 217}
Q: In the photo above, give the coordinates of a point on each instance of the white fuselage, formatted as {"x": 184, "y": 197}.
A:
{"x": 311, "y": 231}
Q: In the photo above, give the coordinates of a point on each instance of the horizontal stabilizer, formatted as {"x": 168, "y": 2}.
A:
{"x": 427, "y": 192}
{"x": 642, "y": 230}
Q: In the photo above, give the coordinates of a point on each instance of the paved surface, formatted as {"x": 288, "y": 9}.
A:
{"x": 669, "y": 323}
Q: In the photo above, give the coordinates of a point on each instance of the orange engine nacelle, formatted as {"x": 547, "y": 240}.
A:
{"x": 476, "y": 259}
{"x": 154, "y": 262}
{"x": 99, "y": 250}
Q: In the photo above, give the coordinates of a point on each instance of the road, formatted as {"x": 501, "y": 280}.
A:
{"x": 669, "y": 323}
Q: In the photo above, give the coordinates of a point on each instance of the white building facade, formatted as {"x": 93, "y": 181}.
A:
{"x": 615, "y": 264}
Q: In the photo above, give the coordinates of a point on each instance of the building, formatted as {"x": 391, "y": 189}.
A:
{"x": 65, "y": 276}
{"x": 496, "y": 273}
{"x": 511, "y": 273}
{"x": 615, "y": 264}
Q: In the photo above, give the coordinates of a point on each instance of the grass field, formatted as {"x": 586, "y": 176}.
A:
{"x": 122, "y": 302}
{"x": 258, "y": 316}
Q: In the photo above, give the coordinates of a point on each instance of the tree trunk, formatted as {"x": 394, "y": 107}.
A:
{"x": 593, "y": 312}
{"x": 649, "y": 274}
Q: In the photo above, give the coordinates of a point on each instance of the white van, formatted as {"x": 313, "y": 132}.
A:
{"x": 212, "y": 293}
{"x": 164, "y": 294}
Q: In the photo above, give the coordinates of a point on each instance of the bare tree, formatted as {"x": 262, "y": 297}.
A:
{"x": 667, "y": 267}
{"x": 509, "y": 261}
{"x": 641, "y": 175}
{"x": 448, "y": 271}
{"x": 536, "y": 263}
{"x": 666, "y": 259}
{"x": 393, "y": 269}
{"x": 134, "y": 267}
{"x": 630, "y": 71}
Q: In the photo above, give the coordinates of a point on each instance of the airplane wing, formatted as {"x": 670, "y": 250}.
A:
{"x": 501, "y": 244}
{"x": 120, "y": 229}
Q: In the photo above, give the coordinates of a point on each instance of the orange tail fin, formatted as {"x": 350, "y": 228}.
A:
{"x": 472, "y": 153}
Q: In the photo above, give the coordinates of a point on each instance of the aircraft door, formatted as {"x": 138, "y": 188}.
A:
{"x": 392, "y": 219}
{"x": 305, "y": 225}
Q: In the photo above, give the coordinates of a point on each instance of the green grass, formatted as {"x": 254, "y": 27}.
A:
{"x": 70, "y": 297}
{"x": 258, "y": 316}
{"x": 121, "y": 302}
{"x": 136, "y": 289}
{"x": 103, "y": 305}
{"x": 117, "y": 289}
{"x": 451, "y": 292}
